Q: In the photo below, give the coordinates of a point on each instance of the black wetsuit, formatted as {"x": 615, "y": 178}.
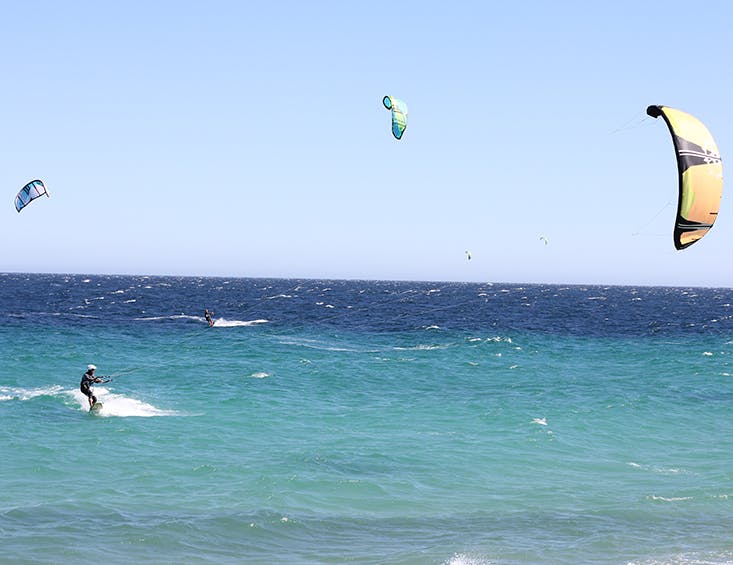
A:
{"x": 87, "y": 384}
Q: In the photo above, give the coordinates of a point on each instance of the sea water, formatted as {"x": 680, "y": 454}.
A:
{"x": 364, "y": 422}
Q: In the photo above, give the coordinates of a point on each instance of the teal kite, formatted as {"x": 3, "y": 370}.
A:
{"x": 30, "y": 192}
{"x": 399, "y": 115}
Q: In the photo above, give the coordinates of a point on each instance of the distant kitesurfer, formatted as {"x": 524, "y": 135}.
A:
{"x": 208, "y": 317}
{"x": 87, "y": 384}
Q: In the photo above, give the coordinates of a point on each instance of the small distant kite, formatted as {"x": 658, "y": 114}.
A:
{"x": 30, "y": 192}
{"x": 399, "y": 115}
{"x": 543, "y": 238}
{"x": 700, "y": 172}
{"x": 468, "y": 255}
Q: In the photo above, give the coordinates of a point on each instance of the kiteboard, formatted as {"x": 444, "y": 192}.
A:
{"x": 96, "y": 407}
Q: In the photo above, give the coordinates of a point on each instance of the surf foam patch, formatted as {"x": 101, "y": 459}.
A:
{"x": 222, "y": 323}
{"x": 17, "y": 393}
{"x": 120, "y": 405}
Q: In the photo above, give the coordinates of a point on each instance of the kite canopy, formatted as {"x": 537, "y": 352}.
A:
{"x": 399, "y": 115}
{"x": 700, "y": 173}
{"x": 28, "y": 193}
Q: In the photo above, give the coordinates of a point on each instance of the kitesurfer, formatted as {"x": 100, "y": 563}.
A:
{"x": 207, "y": 315}
{"x": 87, "y": 384}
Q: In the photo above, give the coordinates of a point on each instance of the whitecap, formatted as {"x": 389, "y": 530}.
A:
{"x": 540, "y": 421}
{"x": 12, "y": 393}
{"x": 659, "y": 470}
{"x": 260, "y": 375}
{"x": 222, "y": 323}
{"x": 420, "y": 348}
{"x": 119, "y": 405}
{"x": 669, "y": 499}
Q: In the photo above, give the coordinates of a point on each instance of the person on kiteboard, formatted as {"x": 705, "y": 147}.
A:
{"x": 208, "y": 317}
{"x": 87, "y": 384}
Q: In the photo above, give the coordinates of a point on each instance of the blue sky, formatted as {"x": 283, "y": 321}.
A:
{"x": 249, "y": 139}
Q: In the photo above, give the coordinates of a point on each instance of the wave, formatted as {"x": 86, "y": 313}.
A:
{"x": 315, "y": 344}
{"x": 222, "y": 323}
{"x": 219, "y": 322}
{"x": 421, "y": 347}
{"x": 120, "y": 405}
{"x": 659, "y": 470}
{"x": 669, "y": 499}
{"x": 113, "y": 404}
{"x": 15, "y": 393}
{"x": 173, "y": 317}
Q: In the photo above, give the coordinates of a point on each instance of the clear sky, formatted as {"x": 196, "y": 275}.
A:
{"x": 249, "y": 138}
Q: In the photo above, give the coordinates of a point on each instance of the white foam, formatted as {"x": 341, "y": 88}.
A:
{"x": 260, "y": 375}
{"x": 120, "y": 405}
{"x": 174, "y": 317}
{"x": 499, "y": 338}
{"x": 222, "y": 323}
{"x": 669, "y": 499}
{"x": 540, "y": 421}
{"x": 420, "y": 348}
{"x": 659, "y": 470}
{"x": 465, "y": 559}
{"x": 13, "y": 393}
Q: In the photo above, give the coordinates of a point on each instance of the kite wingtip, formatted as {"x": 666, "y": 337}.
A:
{"x": 654, "y": 111}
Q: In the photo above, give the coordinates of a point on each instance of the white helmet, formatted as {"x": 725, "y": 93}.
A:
{"x": 91, "y": 367}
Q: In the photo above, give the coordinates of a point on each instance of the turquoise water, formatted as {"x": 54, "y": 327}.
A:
{"x": 332, "y": 422}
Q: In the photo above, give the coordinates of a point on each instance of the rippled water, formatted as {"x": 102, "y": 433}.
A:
{"x": 374, "y": 422}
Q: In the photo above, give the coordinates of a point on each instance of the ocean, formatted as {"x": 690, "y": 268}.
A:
{"x": 326, "y": 421}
